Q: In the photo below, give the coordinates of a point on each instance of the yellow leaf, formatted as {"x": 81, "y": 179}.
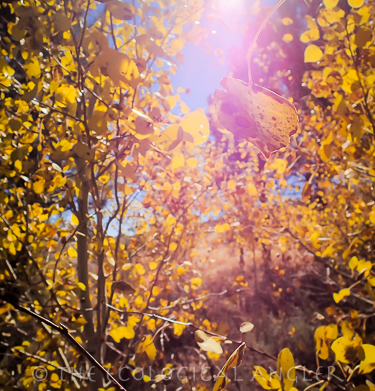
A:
{"x": 328, "y": 251}
{"x": 339, "y": 296}
{"x": 325, "y": 149}
{"x": 372, "y": 216}
{"x": 347, "y": 349}
{"x": 346, "y": 253}
{"x": 313, "y": 53}
{"x": 287, "y": 21}
{"x": 42, "y": 386}
{"x": 371, "y": 280}
{"x": 234, "y": 360}
{"x": 221, "y": 228}
{"x": 218, "y": 228}
{"x": 178, "y": 329}
{"x": 368, "y": 364}
{"x": 171, "y": 102}
{"x": 74, "y": 220}
{"x": 288, "y": 38}
{"x": 155, "y": 291}
{"x": 207, "y": 342}
{"x": 180, "y": 270}
{"x": 119, "y": 67}
{"x": 177, "y": 161}
{"x": 139, "y": 269}
{"x": 184, "y": 108}
{"x": 173, "y": 246}
{"x": 66, "y": 97}
{"x": 192, "y": 162}
{"x": 138, "y": 301}
{"x": 256, "y": 114}
{"x": 72, "y": 252}
{"x": 5, "y": 309}
{"x": 267, "y": 381}
{"x": 147, "y": 346}
{"x": 141, "y": 124}
{"x": 356, "y": 3}
{"x": 365, "y": 13}
{"x": 38, "y": 185}
{"x": 279, "y": 165}
{"x": 322, "y": 335}
{"x": 153, "y": 265}
{"x": 331, "y": 332}
{"x": 98, "y": 123}
{"x": 310, "y": 35}
{"x": 285, "y": 366}
{"x": 346, "y": 329}
{"x": 81, "y": 286}
{"x": 364, "y": 267}
{"x": 128, "y": 190}
{"x": 196, "y": 124}
{"x": 330, "y": 3}
{"x": 252, "y": 190}
{"x": 104, "y": 179}
{"x": 32, "y": 68}
{"x": 81, "y": 320}
{"x": 169, "y": 138}
{"x": 353, "y": 262}
{"x": 232, "y": 184}
{"x": 122, "y": 332}
{"x": 321, "y": 344}
{"x": 197, "y": 281}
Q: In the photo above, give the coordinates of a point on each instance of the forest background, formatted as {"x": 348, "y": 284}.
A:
{"x": 139, "y": 237}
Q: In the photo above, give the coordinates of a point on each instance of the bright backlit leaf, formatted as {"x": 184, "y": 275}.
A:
{"x": 196, "y": 124}
{"x": 207, "y": 342}
{"x": 256, "y": 114}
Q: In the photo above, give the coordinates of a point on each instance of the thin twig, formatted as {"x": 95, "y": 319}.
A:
{"x": 63, "y": 330}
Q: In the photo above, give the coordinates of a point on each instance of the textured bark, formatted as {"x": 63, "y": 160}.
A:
{"x": 82, "y": 248}
{"x": 92, "y": 346}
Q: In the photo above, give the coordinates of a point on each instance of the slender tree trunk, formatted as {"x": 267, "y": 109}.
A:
{"x": 92, "y": 346}
{"x": 82, "y": 250}
{"x": 101, "y": 309}
{"x": 255, "y": 269}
